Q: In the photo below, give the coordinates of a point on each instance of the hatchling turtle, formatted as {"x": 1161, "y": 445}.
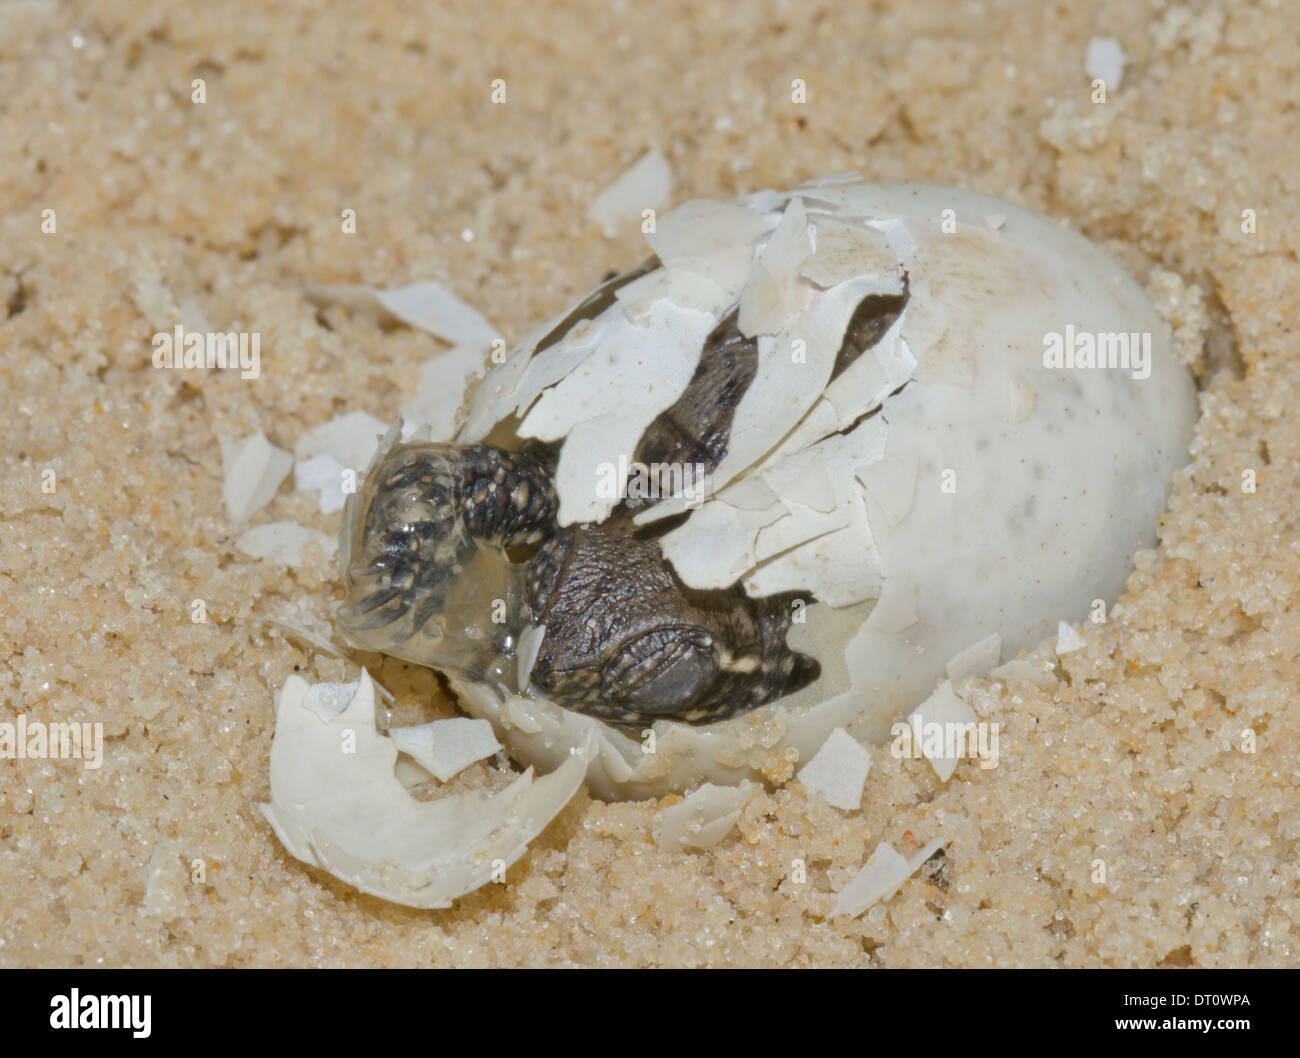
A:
{"x": 773, "y": 479}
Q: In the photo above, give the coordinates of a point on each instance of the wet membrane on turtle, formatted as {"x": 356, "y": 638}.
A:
{"x": 625, "y": 639}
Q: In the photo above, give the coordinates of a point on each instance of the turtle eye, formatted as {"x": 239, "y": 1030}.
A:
{"x": 662, "y": 671}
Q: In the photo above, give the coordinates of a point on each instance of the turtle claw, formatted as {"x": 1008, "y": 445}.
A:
{"x": 371, "y": 602}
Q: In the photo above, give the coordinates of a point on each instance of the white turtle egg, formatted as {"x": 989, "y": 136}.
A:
{"x": 982, "y": 472}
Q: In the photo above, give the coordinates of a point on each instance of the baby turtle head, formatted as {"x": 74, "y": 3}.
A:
{"x": 627, "y": 641}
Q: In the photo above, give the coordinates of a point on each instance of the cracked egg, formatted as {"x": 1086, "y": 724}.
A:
{"x": 773, "y": 480}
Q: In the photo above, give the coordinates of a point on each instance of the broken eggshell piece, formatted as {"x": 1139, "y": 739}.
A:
{"x": 948, "y": 486}
{"x": 341, "y": 807}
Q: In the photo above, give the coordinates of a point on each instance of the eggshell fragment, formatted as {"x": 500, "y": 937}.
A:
{"x": 687, "y": 289}
{"x": 838, "y": 771}
{"x": 336, "y": 803}
{"x": 530, "y": 642}
{"x": 327, "y": 700}
{"x": 1019, "y": 669}
{"x": 254, "y": 469}
{"x": 445, "y": 748}
{"x": 880, "y": 878}
{"x": 553, "y": 364}
{"x": 440, "y": 391}
{"x": 1104, "y": 61}
{"x": 704, "y": 818}
{"x": 944, "y": 712}
{"x": 428, "y": 306}
{"x": 350, "y": 440}
{"x": 712, "y": 239}
{"x": 773, "y": 291}
{"x": 602, "y": 423}
{"x": 445, "y": 377}
{"x": 1068, "y": 639}
{"x": 284, "y": 542}
{"x": 848, "y": 250}
{"x": 322, "y": 475}
{"x": 794, "y": 366}
{"x": 648, "y": 184}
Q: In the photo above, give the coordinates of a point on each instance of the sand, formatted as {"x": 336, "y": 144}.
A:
{"x": 219, "y": 214}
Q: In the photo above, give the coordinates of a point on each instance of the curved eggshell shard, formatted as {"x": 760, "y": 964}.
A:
{"x": 601, "y": 421}
{"x": 948, "y": 486}
{"x": 346, "y": 811}
{"x": 704, "y": 818}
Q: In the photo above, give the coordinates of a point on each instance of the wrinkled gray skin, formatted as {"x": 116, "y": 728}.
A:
{"x": 625, "y": 639}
